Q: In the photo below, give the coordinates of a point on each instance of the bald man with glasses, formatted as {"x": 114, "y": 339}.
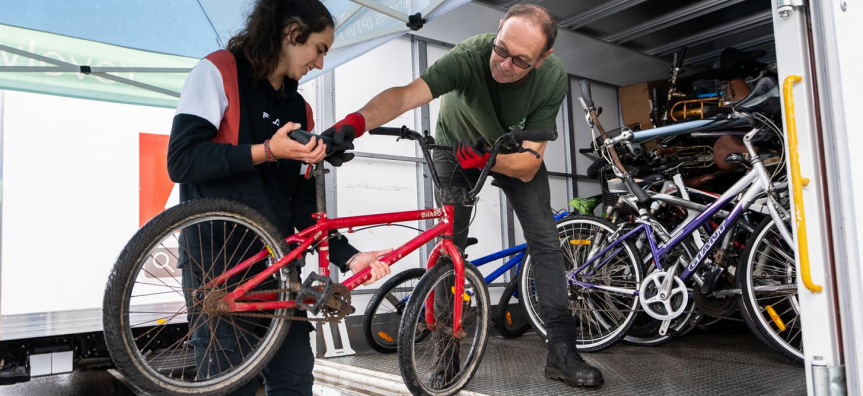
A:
{"x": 490, "y": 84}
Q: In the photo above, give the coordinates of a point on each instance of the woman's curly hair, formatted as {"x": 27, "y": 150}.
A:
{"x": 260, "y": 41}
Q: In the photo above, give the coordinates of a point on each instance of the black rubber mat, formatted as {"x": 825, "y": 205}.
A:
{"x": 706, "y": 363}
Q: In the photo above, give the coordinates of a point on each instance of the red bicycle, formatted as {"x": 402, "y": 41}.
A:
{"x": 235, "y": 312}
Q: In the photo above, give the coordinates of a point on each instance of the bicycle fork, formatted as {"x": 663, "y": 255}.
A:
{"x": 447, "y": 246}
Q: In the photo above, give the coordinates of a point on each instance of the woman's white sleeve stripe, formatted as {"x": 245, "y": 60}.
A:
{"x": 203, "y": 93}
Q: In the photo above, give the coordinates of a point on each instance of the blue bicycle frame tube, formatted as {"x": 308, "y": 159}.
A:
{"x": 669, "y": 130}
{"x": 501, "y": 254}
{"x": 515, "y": 261}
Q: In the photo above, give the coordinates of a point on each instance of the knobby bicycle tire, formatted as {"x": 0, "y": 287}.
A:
{"x": 413, "y": 354}
{"x": 124, "y": 339}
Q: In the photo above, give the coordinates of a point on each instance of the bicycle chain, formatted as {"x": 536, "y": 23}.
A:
{"x": 329, "y": 315}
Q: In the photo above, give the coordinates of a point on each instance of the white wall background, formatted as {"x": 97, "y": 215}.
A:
{"x": 70, "y": 196}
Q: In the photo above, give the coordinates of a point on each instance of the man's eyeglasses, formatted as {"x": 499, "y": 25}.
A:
{"x": 503, "y": 53}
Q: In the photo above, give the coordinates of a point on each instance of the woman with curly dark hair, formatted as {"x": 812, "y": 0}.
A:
{"x": 230, "y": 140}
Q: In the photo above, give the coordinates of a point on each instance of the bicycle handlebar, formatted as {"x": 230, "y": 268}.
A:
{"x": 426, "y": 143}
{"x": 303, "y": 137}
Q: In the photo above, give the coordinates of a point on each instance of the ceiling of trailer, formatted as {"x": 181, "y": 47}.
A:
{"x": 659, "y": 28}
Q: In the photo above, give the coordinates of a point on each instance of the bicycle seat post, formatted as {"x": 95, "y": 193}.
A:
{"x": 320, "y": 187}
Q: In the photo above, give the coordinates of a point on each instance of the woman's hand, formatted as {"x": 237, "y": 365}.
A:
{"x": 370, "y": 259}
{"x": 283, "y": 147}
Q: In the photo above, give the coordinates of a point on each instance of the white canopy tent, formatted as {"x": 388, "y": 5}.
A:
{"x": 109, "y": 50}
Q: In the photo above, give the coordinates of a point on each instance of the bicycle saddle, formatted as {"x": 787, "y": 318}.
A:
{"x": 764, "y": 96}
{"x": 724, "y": 148}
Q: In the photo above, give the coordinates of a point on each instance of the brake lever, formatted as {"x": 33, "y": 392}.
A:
{"x": 535, "y": 154}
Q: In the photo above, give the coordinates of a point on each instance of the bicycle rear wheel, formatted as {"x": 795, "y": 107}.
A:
{"x": 458, "y": 357}
{"x": 767, "y": 278}
{"x": 602, "y": 317}
{"x": 386, "y": 308}
{"x": 162, "y": 329}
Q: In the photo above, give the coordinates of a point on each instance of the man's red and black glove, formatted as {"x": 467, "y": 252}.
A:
{"x": 340, "y": 136}
{"x": 344, "y": 132}
{"x": 471, "y": 155}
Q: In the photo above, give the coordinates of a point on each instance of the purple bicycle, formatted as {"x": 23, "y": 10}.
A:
{"x": 608, "y": 280}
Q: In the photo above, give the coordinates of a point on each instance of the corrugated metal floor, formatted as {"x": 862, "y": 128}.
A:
{"x": 706, "y": 363}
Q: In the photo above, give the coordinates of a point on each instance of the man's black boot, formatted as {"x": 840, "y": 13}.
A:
{"x": 446, "y": 362}
{"x": 565, "y": 364}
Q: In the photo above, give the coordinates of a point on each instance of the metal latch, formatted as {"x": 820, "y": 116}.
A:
{"x": 827, "y": 380}
{"x": 786, "y": 7}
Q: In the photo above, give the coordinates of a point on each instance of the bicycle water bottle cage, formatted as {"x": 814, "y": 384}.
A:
{"x": 319, "y": 293}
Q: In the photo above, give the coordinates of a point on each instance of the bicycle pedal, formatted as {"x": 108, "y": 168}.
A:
{"x": 318, "y": 294}
{"x": 711, "y": 280}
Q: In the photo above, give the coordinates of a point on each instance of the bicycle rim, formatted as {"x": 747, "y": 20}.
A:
{"x": 386, "y": 309}
{"x": 418, "y": 360}
{"x": 601, "y": 317}
{"x": 774, "y": 315}
{"x": 167, "y": 320}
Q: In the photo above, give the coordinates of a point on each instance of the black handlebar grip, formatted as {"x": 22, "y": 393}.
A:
{"x": 585, "y": 92}
{"x": 534, "y": 136}
{"x": 386, "y": 131}
{"x": 301, "y": 136}
{"x": 635, "y": 189}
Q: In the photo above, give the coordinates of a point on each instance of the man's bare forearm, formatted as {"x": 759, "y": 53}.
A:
{"x": 522, "y": 166}
{"x": 391, "y": 103}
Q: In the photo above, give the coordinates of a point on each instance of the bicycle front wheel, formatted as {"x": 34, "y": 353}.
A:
{"x": 386, "y": 308}
{"x": 767, "y": 278}
{"x": 446, "y": 362}
{"x": 602, "y": 316}
{"x": 161, "y": 320}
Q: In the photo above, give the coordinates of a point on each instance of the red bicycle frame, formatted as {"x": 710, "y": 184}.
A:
{"x": 319, "y": 233}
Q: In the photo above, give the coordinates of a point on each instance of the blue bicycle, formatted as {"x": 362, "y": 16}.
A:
{"x": 385, "y": 309}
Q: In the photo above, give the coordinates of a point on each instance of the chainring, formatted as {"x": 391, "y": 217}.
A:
{"x": 654, "y": 305}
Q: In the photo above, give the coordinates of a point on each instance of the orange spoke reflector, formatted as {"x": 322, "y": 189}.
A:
{"x": 161, "y": 321}
{"x": 465, "y": 296}
{"x": 579, "y": 242}
{"x": 776, "y": 319}
{"x": 385, "y": 336}
{"x": 508, "y": 318}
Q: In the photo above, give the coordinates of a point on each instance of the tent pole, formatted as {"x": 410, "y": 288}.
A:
{"x": 84, "y": 69}
{"x": 382, "y": 9}
{"x": 77, "y": 69}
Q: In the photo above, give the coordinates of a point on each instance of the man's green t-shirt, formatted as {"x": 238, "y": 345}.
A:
{"x": 475, "y": 105}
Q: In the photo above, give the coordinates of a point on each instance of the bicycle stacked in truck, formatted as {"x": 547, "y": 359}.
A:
{"x": 619, "y": 271}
